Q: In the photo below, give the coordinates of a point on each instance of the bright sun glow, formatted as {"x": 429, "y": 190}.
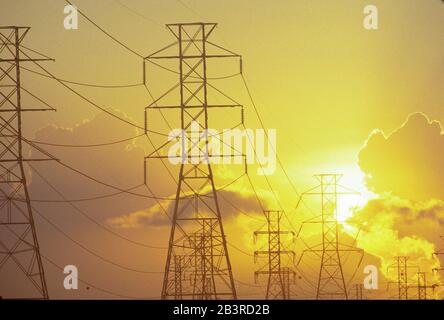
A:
{"x": 353, "y": 180}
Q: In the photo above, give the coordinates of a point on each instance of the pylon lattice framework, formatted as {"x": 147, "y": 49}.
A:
{"x": 331, "y": 281}
{"x": 401, "y": 265}
{"x": 21, "y": 269}
{"x": 358, "y": 291}
{"x": 422, "y": 286}
{"x": 402, "y": 277}
{"x": 198, "y": 264}
{"x": 279, "y": 278}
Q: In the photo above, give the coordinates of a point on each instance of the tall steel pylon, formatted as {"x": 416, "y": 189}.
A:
{"x": 401, "y": 265}
{"x": 358, "y": 291}
{"x": 331, "y": 282}
{"x": 279, "y": 277}
{"x": 21, "y": 269}
{"x": 197, "y": 233}
{"x": 331, "y": 276}
{"x": 403, "y": 286}
{"x": 437, "y": 254}
{"x": 422, "y": 285}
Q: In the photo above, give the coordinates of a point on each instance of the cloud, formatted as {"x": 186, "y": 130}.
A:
{"x": 408, "y": 162}
{"x": 119, "y": 164}
{"x": 231, "y": 204}
{"x": 405, "y": 170}
{"x": 422, "y": 219}
{"x": 390, "y": 227}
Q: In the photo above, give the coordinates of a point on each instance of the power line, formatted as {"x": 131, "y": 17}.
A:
{"x": 248, "y": 284}
{"x": 191, "y": 76}
{"x": 86, "y": 175}
{"x": 190, "y": 9}
{"x": 86, "y": 145}
{"x": 104, "y": 196}
{"x": 263, "y": 127}
{"x": 80, "y": 280}
{"x": 265, "y": 132}
{"x": 239, "y": 249}
{"x": 92, "y": 102}
{"x": 94, "y": 179}
{"x": 89, "y": 284}
{"x": 119, "y": 42}
{"x": 105, "y": 183}
{"x": 113, "y": 39}
{"x": 105, "y": 228}
{"x": 105, "y": 32}
{"x": 137, "y": 13}
{"x": 277, "y": 157}
{"x": 110, "y": 185}
{"x": 123, "y": 46}
{"x": 58, "y": 229}
{"x": 269, "y": 186}
{"x": 87, "y": 216}
{"x": 92, "y": 85}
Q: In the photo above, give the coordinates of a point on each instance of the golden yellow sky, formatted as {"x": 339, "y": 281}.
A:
{"x": 317, "y": 76}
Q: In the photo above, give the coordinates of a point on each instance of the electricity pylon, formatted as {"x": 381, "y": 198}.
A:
{"x": 331, "y": 282}
{"x": 422, "y": 286}
{"x": 437, "y": 254}
{"x": 358, "y": 291}
{"x": 21, "y": 267}
{"x": 402, "y": 277}
{"x": 279, "y": 277}
{"x": 197, "y": 233}
{"x": 401, "y": 265}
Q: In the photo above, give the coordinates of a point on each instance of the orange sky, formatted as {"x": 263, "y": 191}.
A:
{"x": 317, "y": 76}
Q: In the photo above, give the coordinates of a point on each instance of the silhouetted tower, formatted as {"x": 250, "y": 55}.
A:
{"x": 21, "y": 268}
{"x": 289, "y": 278}
{"x": 358, "y": 291}
{"x": 422, "y": 286}
{"x": 279, "y": 277}
{"x": 402, "y": 276}
{"x": 437, "y": 254}
{"x": 331, "y": 283}
{"x": 403, "y": 283}
{"x": 178, "y": 276}
{"x": 197, "y": 232}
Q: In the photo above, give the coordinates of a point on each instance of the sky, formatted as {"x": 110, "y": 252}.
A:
{"x": 343, "y": 99}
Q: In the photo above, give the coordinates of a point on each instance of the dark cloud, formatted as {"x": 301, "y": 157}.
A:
{"x": 408, "y": 218}
{"x": 81, "y": 224}
{"x": 408, "y": 162}
{"x": 231, "y": 204}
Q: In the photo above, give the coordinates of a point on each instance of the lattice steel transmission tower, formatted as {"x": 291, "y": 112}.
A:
{"x": 21, "y": 267}
{"x": 422, "y": 286}
{"x": 401, "y": 266}
{"x": 331, "y": 282}
{"x": 437, "y": 254}
{"x": 403, "y": 284}
{"x": 358, "y": 291}
{"x": 197, "y": 233}
{"x": 279, "y": 278}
